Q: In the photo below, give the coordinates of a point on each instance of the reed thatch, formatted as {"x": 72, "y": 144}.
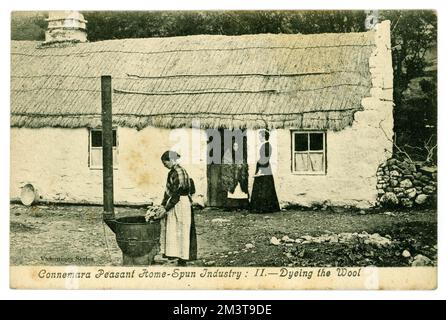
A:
{"x": 250, "y": 81}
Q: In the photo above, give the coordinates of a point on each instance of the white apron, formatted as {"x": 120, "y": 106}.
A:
{"x": 175, "y": 230}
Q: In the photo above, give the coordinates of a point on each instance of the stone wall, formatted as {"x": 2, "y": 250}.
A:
{"x": 402, "y": 183}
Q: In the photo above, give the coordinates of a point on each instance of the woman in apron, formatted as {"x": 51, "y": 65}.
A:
{"x": 178, "y": 237}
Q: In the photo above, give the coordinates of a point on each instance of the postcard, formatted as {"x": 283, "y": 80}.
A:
{"x": 224, "y": 150}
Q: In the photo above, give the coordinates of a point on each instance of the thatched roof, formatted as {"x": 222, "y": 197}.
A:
{"x": 300, "y": 81}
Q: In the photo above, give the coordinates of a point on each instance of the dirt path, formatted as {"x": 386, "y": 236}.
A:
{"x": 64, "y": 235}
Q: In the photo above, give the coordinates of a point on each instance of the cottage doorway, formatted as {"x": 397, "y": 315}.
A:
{"x": 227, "y": 168}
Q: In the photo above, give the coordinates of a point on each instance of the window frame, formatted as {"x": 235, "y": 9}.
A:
{"x": 324, "y": 152}
{"x": 90, "y": 148}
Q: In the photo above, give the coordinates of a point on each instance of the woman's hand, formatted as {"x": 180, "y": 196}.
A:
{"x": 155, "y": 213}
{"x": 161, "y": 213}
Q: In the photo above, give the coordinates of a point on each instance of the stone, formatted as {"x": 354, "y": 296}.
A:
{"x": 418, "y": 175}
{"x": 386, "y": 178}
{"x": 395, "y": 173}
{"x": 417, "y": 183}
{"x": 411, "y": 193}
{"x": 406, "y": 254}
{"x": 380, "y": 191}
{"x": 425, "y": 179}
{"x": 418, "y": 189}
{"x": 421, "y": 199}
{"x": 421, "y": 261}
{"x": 412, "y": 167}
{"x": 389, "y": 189}
{"x": 391, "y": 162}
{"x": 274, "y": 241}
{"x": 398, "y": 190}
{"x": 428, "y": 170}
{"x": 394, "y": 182}
{"x": 428, "y": 189}
{"x": 389, "y": 199}
{"x": 434, "y": 176}
{"x": 249, "y": 246}
{"x": 406, "y": 202}
{"x": 406, "y": 183}
{"x": 400, "y": 195}
{"x": 210, "y": 263}
{"x": 219, "y": 220}
{"x": 409, "y": 176}
{"x": 287, "y": 239}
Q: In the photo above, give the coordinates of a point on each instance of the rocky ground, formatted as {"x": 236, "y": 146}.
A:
{"x": 64, "y": 235}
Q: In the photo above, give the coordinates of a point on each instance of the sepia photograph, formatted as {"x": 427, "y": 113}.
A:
{"x": 274, "y": 149}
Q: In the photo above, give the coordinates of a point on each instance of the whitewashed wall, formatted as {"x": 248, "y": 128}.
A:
{"x": 55, "y": 161}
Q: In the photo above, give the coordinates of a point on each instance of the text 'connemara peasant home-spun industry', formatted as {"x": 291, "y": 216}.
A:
{"x": 327, "y": 99}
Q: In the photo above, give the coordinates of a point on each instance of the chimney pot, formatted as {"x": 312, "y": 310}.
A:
{"x": 66, "y": 26}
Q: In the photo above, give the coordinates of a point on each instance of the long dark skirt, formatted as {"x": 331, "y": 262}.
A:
{"x": 193, "y": 239}
{"x": 264, "y": 197}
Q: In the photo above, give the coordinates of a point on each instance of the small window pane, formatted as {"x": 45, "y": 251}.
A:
{"x": 96, "y": 138}
{"x": 300, "y": 142}
{"x": 114, "y": 138}
{"x": 316, "y": 162}
{"x": 96, "y": 158}
{"x": 301, "y": 162}
{"x": 115, "y": 158}
{"x": 316, "y": 141}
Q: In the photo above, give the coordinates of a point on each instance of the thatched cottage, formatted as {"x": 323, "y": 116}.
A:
{"x": 326, "y": 97}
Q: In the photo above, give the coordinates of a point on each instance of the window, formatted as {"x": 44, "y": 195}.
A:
{"x": 95, "y": 155}
{"x": 308, "y": 152}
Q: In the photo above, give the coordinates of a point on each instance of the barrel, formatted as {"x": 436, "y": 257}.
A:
{"x": 136, "y": 237}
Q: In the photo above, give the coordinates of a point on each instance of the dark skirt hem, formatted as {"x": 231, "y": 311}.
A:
{"x": 264, "y": 198}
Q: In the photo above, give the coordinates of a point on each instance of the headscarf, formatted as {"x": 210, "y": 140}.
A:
{"x": 170, "y": 156}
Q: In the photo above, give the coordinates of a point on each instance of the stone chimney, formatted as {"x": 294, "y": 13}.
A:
{"x": 372, "y": 19}
{"x": 66, "y": 26}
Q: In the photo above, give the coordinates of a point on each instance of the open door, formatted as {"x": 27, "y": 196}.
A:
{"x": 227, "y": 180}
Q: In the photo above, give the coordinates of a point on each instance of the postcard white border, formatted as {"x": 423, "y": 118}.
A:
{"x": 6, "y": 293}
